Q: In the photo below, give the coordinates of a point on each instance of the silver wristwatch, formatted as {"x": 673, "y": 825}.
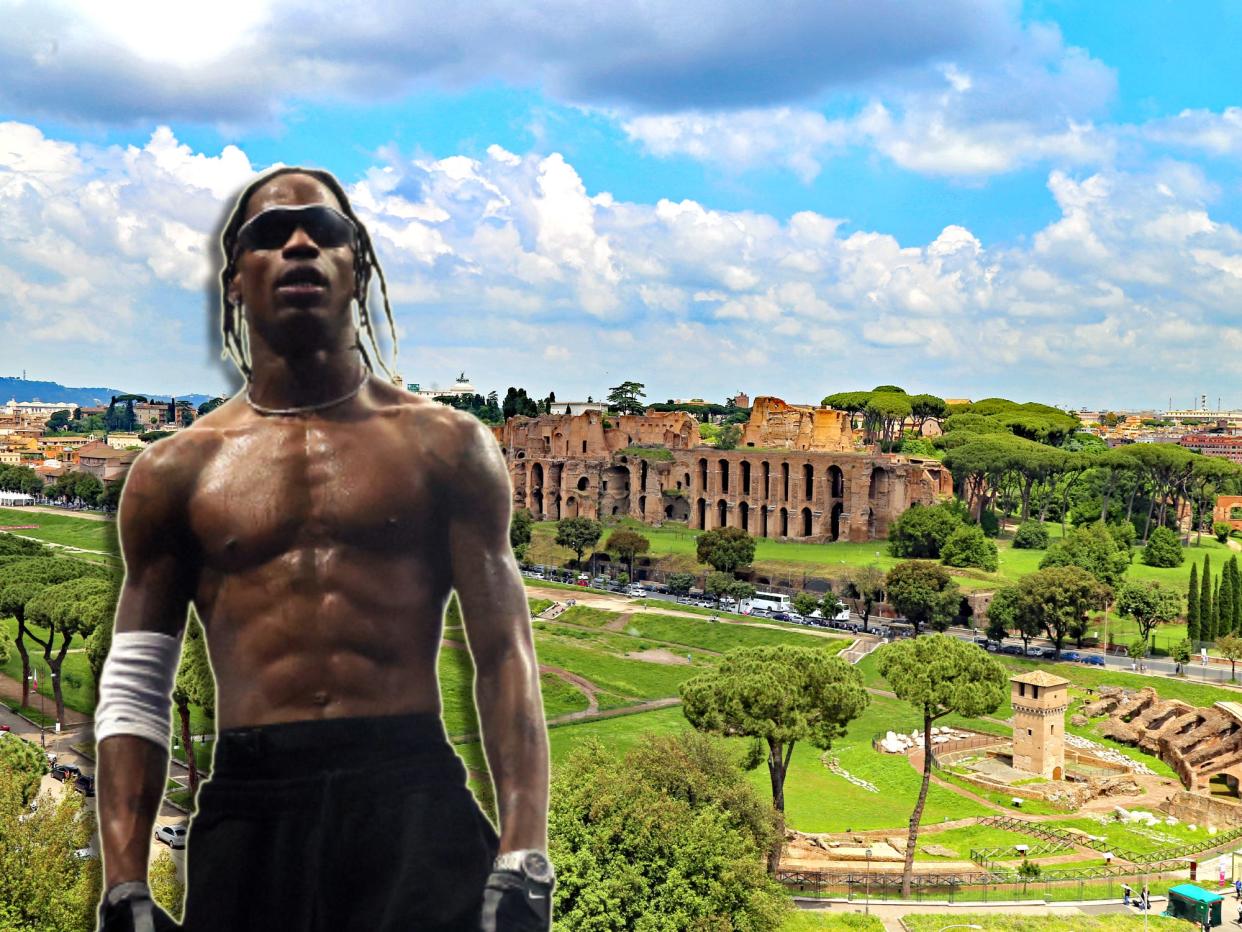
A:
{"x": 529, "y": 862}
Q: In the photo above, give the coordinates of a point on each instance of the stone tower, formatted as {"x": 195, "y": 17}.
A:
{"x": 1039, "y": 703}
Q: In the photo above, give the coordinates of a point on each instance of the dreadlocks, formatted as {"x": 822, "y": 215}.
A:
{"x": 236, "y": 345}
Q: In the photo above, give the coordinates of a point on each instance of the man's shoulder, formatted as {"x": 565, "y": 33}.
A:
{"x": 182, "y": 455}
{"x": 448, "y": 433}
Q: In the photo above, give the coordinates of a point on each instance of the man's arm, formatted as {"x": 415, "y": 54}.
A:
{"x": 154, "y": 598}
{"x": 497, "y": 622}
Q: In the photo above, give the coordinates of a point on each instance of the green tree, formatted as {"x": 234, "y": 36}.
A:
{"x": 679, "y": 583}
{"x": 1237, "y": 594}
{"x": 209, "y": 405}
{"x": 1003, "y": 613}
{"x": 1092, "y": 548}
{"x": 1031, "y": 535}
{"x": 65, "y": 610}
{"x": 805, "y": 603}
{"x": 1192, "y": 605}
{"x": 26, "y": 761}
{"x": 1230, "y": 647}
{"x": 780, "y": 696}
{"x": 1137, "y": 649}
{"x": 1207, "y": 629}
{"x": 921, "y": 531}
{"x": 923, "y": 593}
{"x": 1057, "y": 600}
{"x": 194, "y": 684}
{"x": 58, "y": 421}
{"x": 725, "y": 549}
{"x": 520, "y": 524}
{"x": 166, "y": 889}
{"x": 1163, "y": 548}
{"x": 939, "y": 675}
{"x": 729, "y": 436}
{"x": 868, "y": 585}
{"x": 718, "y": 584}
{"x": 967, "y": 546}
{"x": 626, "y": 398}
{"x": 23, "y": 579}
{"x": 579, "y": 535}
{"x": 669, "y": 836}
{"x": 1180, "y": 652}
{"x": 741, "y": 591}
{"x": 45, "y": 887}
{"x": 1223, "y": 608}
{"x": 1149, "y": 604}
{"x": 627, "y": 544}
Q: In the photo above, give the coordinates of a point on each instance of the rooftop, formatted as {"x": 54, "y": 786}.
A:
{"x": 1040, "y": 678}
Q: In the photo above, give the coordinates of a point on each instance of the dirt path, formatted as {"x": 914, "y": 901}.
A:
{"x": 619, "y": 624}
{"x": 63, "y": 512}
{"x": 583, "y": 685}
{"x": 12, "y": 689}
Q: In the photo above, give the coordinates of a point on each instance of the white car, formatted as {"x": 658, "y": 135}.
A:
{"x": 172, "y": 835}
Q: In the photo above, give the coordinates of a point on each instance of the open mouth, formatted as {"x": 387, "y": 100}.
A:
{"x": 301, "y": 280}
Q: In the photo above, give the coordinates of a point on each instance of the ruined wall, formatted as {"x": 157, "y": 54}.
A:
{"x": 776, "y": 424}
{"x": 1224, "y": 509}
{"x": 650, "y": 467}
{"x": 1203, "y": 810}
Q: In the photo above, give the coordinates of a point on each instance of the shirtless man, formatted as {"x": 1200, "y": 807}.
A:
{"x": 317, "y": 522}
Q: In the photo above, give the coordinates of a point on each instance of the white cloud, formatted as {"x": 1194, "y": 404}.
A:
{"x": 498, "y": 261}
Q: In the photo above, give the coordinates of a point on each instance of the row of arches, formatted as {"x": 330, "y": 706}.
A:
{"x": 771, "y": 521}
{"x": 783, "y": 476}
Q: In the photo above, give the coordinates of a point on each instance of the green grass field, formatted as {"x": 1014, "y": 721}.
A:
{"x": 717, "y": 636}
{"x": 994, "y": 922}
{"x": 67, "y": 529}
{"x": 587, "y": 617}
{"x": 831, "y": 920}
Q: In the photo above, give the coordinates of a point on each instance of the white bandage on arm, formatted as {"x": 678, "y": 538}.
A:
{"x": 135, "y": 690}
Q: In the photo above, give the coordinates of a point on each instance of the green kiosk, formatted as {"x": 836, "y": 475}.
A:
{"x": 1186, "y": 901}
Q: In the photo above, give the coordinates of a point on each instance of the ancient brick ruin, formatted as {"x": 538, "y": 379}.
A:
{"x": 1198, "y": 743}
{"x": 795, "y": 475}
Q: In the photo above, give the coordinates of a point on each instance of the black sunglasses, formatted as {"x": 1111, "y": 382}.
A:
{"x": 271, "y": 228}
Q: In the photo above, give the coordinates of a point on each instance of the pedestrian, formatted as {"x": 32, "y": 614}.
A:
{"x": 1237, "y": 888}
{"x": 1146, "y": 899}
{"x": 1125, "y": 894}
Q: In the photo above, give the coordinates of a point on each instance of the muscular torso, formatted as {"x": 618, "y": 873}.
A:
{"x": 321, "y": 562}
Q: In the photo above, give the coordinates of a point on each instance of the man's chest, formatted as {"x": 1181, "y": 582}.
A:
{"x": 301, "y": 486}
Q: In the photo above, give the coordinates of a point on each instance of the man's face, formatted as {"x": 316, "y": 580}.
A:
{"x": 296, "y": 295}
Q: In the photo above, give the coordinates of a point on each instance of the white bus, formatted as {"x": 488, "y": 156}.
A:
{"x": 772, "y": 601}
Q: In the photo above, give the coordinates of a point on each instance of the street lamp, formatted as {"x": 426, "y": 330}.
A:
{"x": 867, "y": 886}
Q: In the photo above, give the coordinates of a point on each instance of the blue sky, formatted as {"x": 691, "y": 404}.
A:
{"x": 986, "y": 198}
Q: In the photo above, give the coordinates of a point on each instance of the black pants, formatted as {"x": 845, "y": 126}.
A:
{"x": 335, "y": 825}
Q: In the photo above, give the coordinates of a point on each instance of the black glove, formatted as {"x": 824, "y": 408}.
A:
{"x": 128, "y": 907}
{"x": 514, "y": 903}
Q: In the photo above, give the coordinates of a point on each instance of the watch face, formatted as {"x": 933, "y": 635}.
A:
{"x": 537, "y": 867}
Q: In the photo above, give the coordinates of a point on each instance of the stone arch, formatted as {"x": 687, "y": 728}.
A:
{"x": 834, "y": 522}
{"x": 703, "y": 475}
{"x": 521, "y": 454}
{"x": 583, "y": 482}
{"x": 687, "y": 480}
{"x": 870, "y": 523}
{"x": 554, "y": 506}
{"x": 836, "y": 482}
{"x": 536, "y": 489}
{"x": 701, "y": 515}
{"x": 571, "y": 507}
{"x": 763, "y": 520}
{"x": 808, "y": 481}
{"x": 678, "y": 509}
{"x": 642, "y": 477}
{"x": 616, "y": 510}
{"x": 724, "y": 476}
{"x": 766, "y": 479}
{"x": 878, "y": 484}
{"x": 642, "y": 506}
{"x": 784, "y": 522}
{"x": 806, "y": 522}
{"x": 722, "y": 513}
{"x": 745, "y": 483}
{"x": 743, "y": 514}
{"x": 784, "y": 482}
{"x": 1057, "y": 773}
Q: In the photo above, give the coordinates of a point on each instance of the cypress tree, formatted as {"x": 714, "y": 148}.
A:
{"x": 1206, "y": 630}
{"x": 1218, "y": 617}
{"x": 1237, "y": 594}
{"x": 1192, "y": 606}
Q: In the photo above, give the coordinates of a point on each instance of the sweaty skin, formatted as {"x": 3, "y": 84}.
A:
{"x": 320, "y": 550}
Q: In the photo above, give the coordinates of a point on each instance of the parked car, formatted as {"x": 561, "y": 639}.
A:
{"x": 1071, "y": 655}
{"x": 1034, "y": 651}
{"x": 172, "y": 835}
{"x": 83, "y": 854}
{"x": 63, "y": 772}
{"x": 85, "y": 785}
{"x": 1014, "y": 649}
{"x": 1093, "y": 660}
{"x": 782, "y": 616}
{"x": 5, "y": 728}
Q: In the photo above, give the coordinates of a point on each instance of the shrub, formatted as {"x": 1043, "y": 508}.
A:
{"x": 1032, "y": 535}
{"x": 1221, "y": 530}
{"x": 922, "y": 530}
{"x": 990, "y": 522}
{"x": 1163, "y": 548}
{"x": 968, "y": 546}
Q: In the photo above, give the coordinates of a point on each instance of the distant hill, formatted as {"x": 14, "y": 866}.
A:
{"x": 31, "y": 390}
